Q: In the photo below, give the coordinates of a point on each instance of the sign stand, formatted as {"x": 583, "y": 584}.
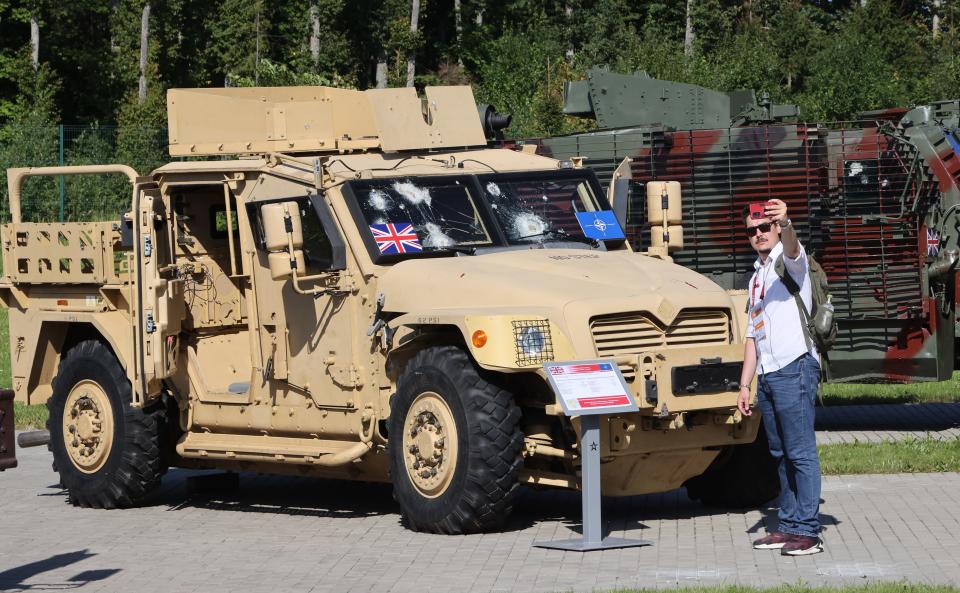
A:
{"x": 589, "y": 389}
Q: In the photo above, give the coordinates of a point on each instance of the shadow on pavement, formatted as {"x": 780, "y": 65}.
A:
{"x": 256, "y": 493}
{"x": 329, "y": 498}
{"x": 769, "y": 521}
{"x": 287, "y": 495}
{"x": 620, "y": 514}
{"x": 14, "y": 579}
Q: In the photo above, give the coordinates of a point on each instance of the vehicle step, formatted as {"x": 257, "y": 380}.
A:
{"x": 258, "y": 447}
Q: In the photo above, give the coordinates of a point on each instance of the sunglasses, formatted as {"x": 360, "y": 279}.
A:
{"x": 763, "y": 227}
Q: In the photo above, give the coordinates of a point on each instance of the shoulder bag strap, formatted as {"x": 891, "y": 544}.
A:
{"x": 794, "y": 289}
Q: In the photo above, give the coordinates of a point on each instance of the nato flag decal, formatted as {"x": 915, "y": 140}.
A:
{"x": 601, "y": 225}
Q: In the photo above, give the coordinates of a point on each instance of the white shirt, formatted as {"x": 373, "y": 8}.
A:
{"x": 773, "y": 320}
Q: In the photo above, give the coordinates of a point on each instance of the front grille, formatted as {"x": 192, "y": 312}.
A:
{"x": 632, "y": 333}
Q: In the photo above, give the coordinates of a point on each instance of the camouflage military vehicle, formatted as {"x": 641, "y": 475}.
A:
{"x": 357, "y": 287}
{"x": 875, "y": 200}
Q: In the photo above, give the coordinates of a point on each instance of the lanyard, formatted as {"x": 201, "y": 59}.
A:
{"x": 757, "y": 281}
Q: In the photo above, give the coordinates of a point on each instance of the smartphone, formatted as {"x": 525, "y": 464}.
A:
{"x": 758, "y": 209}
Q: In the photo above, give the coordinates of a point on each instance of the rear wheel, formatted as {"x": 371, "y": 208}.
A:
{"x": 742, "y": 476}
{"x": 106, "y": 451}
{"x": 455, "y": 445}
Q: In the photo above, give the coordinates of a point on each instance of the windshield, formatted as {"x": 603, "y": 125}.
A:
{"x": 407, "y": 216}
{"x": 539, "y": 209}
{"x": 412, "y": 216}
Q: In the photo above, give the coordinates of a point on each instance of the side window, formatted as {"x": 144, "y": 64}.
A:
{"x": 316, "y": 245}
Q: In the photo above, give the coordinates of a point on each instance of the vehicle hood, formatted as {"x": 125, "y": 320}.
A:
{"x": 547, "y": 280}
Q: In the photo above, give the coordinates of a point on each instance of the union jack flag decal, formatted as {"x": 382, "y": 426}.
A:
{"x": 933, "y": 242}
{"x": 396, "y": 237}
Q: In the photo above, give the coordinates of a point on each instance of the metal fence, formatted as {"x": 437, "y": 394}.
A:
{"x": 75, "y": 198}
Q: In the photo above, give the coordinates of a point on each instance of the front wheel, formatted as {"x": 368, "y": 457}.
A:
{"x": 455, "y": 443}
{"x": 106, "y": 451}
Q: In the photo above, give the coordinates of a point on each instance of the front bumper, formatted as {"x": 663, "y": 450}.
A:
{"x": 677, "y": 432}
{"x": 650, "y": 377}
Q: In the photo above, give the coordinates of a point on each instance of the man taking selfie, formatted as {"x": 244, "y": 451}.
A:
{"x": 787, "y": 367}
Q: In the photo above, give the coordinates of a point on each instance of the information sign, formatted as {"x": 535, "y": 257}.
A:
{"x": 590, "y": 387}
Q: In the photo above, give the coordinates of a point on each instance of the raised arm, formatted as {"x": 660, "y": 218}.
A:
{"x": 776, "y": 210}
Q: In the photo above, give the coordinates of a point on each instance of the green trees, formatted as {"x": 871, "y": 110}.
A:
{"x": 109, "y": 63}
{"x": 30, "y": 138}
{"x": 871, "y": 58}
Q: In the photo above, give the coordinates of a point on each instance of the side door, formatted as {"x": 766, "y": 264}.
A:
{"x": 158, "y": 295}
{"x": 309, "y": 342}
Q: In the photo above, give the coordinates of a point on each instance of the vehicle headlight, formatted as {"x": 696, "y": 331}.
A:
{"x": 533, "y": 341}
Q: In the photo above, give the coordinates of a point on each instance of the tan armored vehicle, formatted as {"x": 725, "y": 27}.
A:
{"x": 356, "y": 287}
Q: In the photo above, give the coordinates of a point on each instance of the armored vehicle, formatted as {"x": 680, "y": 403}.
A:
{"x": 355, "y": 286}
{"x": 616, "y": 100}
{"x": 876, "y": 200}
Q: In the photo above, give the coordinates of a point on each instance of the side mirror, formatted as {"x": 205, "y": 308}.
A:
{"x": 663, "y": 203}
{"x": 664, "y": 214}
{"x": 670, "y": 237}
{"x": 275, "y": 219}
{"x": 283, "y": 238}
{"x": 282, "y": 264}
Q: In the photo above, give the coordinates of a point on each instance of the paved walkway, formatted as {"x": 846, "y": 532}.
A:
{"x": 887, "y": 422}
{"x": 296, "y": 534}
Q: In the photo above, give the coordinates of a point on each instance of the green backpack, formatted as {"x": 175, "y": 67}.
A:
{"x": 820, "y": 327}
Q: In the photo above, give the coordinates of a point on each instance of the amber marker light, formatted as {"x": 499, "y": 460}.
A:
{"x": 479, "y": 338}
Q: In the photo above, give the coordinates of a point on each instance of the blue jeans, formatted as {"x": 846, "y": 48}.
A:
{"x": 786, "y": 398}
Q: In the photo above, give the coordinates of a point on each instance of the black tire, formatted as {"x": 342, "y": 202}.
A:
{"x": 131, "y": 467}
{"x": 741, "y": 477}
{"x": 482, "y": 482}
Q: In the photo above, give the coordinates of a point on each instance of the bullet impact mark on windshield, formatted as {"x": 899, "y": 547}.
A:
{"x": 527, "y": 223}
{"x": 379, "y": 200}
{"x": 435, "y": 237}
{"x": 413, "y": 193}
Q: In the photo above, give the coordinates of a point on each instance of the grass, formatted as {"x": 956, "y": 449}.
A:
{"x": 29, "y": 417}
{"x": 845, "y": 394}
{"x": 908, "y": 456}
{"x": 899, "y": 587}
{"x": 5, "y": 380}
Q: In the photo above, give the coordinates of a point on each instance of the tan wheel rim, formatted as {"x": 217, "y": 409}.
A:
{"x": 88, "y": 426}
{"x": 430, "y": 444}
